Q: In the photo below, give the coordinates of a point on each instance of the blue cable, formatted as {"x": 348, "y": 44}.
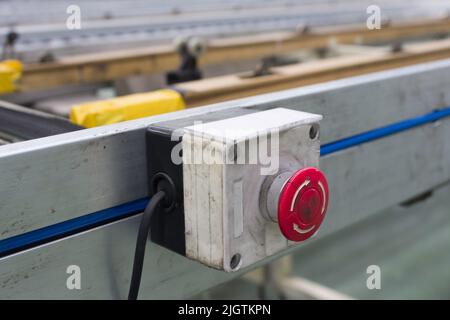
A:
{"x": 89, "y": 221}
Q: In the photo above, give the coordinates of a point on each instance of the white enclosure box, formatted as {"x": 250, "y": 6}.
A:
{"x": 228, "y": 167}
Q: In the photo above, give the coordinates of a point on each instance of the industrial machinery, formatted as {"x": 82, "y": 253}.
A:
{"x": 85, "y": 188}
{"x": 246, "y": 191}
{"x": 277, "y": 136}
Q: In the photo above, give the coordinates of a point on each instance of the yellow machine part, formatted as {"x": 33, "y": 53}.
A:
{"x": 125, "y": 108}
{"x": 10, "y": 71}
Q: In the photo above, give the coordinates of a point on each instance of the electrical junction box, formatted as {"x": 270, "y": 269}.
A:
{"x": 247, "y": 184}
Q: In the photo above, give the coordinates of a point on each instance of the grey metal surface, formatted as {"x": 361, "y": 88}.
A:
{"x": 409, "y": 244}
{"x": 23, "y": 123}
{"x": 23, "y": 12}
{"x": 49, "y": 180}
{"x": 52, "y": 179}
{"x": 223, "y": 218}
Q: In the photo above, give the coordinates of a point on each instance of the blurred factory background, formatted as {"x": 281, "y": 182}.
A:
{"x": 127, "y": 47}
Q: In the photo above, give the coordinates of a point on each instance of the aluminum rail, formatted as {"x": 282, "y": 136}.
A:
{"x": 60, "y": 230}
{"x": 54, "y": 179}
{"x": 111, "y": 9}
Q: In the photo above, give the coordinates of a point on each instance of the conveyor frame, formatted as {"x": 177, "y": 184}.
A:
{"x": 54, "y": 179}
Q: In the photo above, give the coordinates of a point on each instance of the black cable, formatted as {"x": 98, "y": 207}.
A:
{"x": 141, "y": 242}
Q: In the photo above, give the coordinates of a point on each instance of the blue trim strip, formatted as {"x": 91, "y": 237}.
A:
{"x": 92, "y": 220}
{"x": 383, "y": 132}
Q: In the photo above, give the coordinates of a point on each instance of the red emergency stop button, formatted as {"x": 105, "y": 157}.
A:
{"x": 302, "y": 204}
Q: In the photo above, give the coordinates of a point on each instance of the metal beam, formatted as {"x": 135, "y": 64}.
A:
{"x": 61, "y": 177}
{"x": 99, "y": 67}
